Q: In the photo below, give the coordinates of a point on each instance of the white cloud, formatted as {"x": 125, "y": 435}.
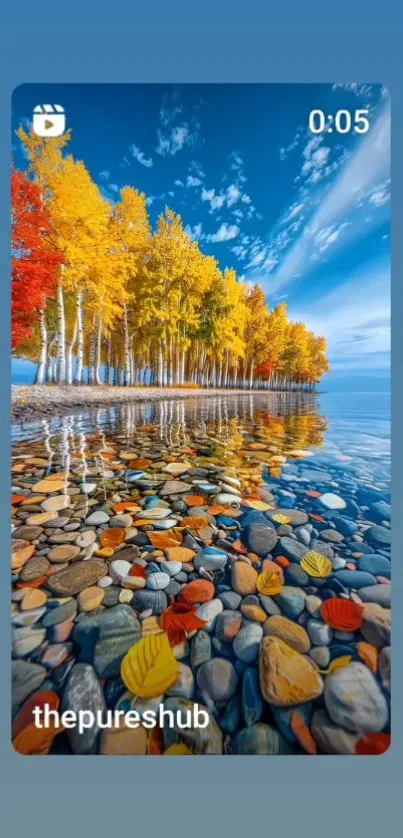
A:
{"x": 140, "y": 156}
{"x": 170, "y": 144}
{"x": 196, "y": 169}
{"x": 284, "y": 151}
{"x": 215, "y": 201}
{"x": 105, "y": 174}
{"x": 328, "y": 235}
{"x": 363, "y": 91}
{"x": 354, "y": 317}
{"x": 293, "y": 211}
{"x": 225, "y": 233}
{"x": 380, "y": 196}
{"x": 151, "y": 198}
{"x": 367, "y": 167}
{"x": 238, "y": 214}
{"x": 315, "y": 156}
{"x": 237, "y": 166}
{"x": 178, "y": 183}
{"x": 195, "y": 232}
{"x": 233, "y": 194}
{"x": 192, "y": 181}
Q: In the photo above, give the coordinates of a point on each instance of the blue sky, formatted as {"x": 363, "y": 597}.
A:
{"x": 306, "y": 216}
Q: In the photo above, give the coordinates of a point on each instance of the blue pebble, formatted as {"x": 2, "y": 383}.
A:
{"x": 375, "y": 564}
{"x": 113, "y": 689}
{"x": 152, "y": 502}
{"x": 226, "y": 521}
{"x": 153, "y": 567}
{"x": 224, "y": 650}
{"x": 354, "y": 578}
{"x": 345, "y": 526}
{"x": 230, "y": 720}
{"x": 283, "y": 715}
{"x": 252, "y": 702}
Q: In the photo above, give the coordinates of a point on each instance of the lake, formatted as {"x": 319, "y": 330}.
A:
{"x": 249, "y": 533}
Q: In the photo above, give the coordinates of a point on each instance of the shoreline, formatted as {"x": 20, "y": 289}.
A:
{"x": 31, "y": 401}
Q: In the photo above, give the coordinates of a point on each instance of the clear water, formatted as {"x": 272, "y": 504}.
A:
{"x": 334, "y": 425}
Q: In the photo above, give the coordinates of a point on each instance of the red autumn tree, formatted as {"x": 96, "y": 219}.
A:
{"x": 34, "y": 265}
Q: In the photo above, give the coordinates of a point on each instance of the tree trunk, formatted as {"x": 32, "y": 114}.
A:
{"x": 159, "y": 366}
{"x": 78, "y": 378}
{"x": 251, "y": 375}
{"x": 164, "y": 375}
{"x": 69, "y": 356}
{"x": 91, "y": 360}
{"x": 225, "y": 382}
{"x": 170, "y": 363}
{"x": 108, "y": 362}
{"x": 40, "y": 372}
{"x": 126, "y": 380}
{"x": 98, "y": 351}
{"x": 61, "y": 336}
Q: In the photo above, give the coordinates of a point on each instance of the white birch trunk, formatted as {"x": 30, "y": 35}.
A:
{"x": 40, "y": 372}
{"x": 170, "y": 363}
{"x": 61, "y": 336}
{"x": 98, "y": 351}
{"x": 251, "y": 375}
{"x": 164, "y": 369}
{"x": 126, "y": 381}
{"x": 69, "y": 356}
{"x": 91, "y": 360}
{"x": 80, "y": 339}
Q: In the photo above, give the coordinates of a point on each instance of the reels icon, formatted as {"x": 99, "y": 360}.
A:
{"x": 49, "y": 120}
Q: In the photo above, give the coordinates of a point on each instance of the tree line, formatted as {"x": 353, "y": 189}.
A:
{"x": 98, "y": 297}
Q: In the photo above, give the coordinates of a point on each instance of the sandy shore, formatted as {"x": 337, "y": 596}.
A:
{"x": 28, "y": 401}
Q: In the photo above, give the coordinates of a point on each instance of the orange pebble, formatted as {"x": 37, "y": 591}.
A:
{"x": 17, "y": 499}
{"x": 194, "y": 500}
{"x": 303, "y": 734}
{"x": 282, "y": 561}
{"x": 122, "y": 507}
{"x": 239, "y": 547}
{"x": 36, "y": 583}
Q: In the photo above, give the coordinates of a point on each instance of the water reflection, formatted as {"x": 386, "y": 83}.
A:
{"x": 279, "y": 422}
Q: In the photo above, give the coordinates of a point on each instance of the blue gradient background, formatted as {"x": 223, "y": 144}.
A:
{"x": 205, "y": 41}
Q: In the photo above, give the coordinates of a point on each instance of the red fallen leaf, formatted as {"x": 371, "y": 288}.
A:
{"x": 138, "y": 570}
{"x": 36, "y": 741}
{"x": 373, "y": 744}
{"x": 312, "y": 494}
{"x": 25, "y": 716}
{"x": 342, "y": 614}
{"x": 316, "y": 517}
{"x": 179, "y": 620}
{"x": 155, "y": 744}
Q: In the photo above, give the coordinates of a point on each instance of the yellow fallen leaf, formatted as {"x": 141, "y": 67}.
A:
{"x": 178, "y": 750}
{"x": 260, "y": 505}
{"x": 280, "y": 518}
{"x": 149, "y": 668}
{"x": 337, "y": 663}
